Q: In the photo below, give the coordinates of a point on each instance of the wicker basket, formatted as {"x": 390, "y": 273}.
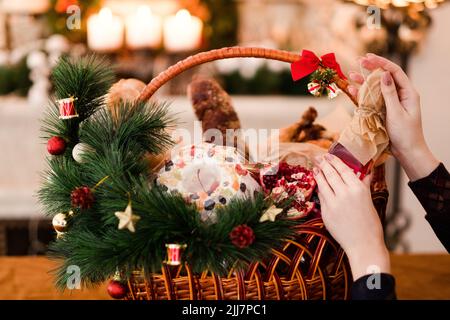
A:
{"x": 312, "y": 266}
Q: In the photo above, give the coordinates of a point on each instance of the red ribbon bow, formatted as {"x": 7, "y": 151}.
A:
{"x": 309, "y": 62}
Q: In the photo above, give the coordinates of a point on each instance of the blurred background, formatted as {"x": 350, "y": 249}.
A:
{"x": 143, "y": 38}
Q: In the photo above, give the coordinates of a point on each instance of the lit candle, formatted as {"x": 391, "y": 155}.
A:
{"x": 105, "y": 31}
{"x": 143, "y": 29}
{"x": 182, "y": 32}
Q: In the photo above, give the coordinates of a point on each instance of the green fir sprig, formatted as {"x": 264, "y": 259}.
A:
{"x": 87, "y": 80}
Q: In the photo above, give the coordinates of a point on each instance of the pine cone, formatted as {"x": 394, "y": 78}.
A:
{"x": 242, "y": 236}
{"x": 82, "y": 197}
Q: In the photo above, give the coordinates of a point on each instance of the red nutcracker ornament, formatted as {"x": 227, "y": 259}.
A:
{"x": 174, "y": 253}
{"x": 67, "y": 108}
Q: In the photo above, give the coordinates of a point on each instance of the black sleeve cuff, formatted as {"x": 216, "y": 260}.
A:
{"x": 430, "y": 190}
{"x": 378, "y": 286}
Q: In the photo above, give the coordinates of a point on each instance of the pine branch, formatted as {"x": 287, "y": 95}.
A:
{"x": 58, "y": 182}
{"x": 142, "y": 124}
{"x": 87, "y": 79}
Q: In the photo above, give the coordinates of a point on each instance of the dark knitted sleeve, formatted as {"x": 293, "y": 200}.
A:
{"x": 379, "y": 286}
{"x": 433, "y": 193}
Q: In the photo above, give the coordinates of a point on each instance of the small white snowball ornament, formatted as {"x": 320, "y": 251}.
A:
{"x": 79, "y": 150}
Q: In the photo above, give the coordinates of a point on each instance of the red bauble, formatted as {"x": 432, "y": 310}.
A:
{"x": 117, "y": 289}
{"x": 56, "y": 146}
{"x": 242, "y": 236}
{"x": 82, "y": 197}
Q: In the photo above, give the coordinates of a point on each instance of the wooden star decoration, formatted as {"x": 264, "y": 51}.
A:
{"x": 270, "y": 214}
{"x": 127, "y": 219}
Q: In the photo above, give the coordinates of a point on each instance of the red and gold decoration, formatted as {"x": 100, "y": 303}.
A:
{"x": 309, "y": 62}
{"x": 323, "y": 71}
{"x": 56, "y": 146}
{"x": 82, "y": 197}
{"x": 117, "y": 288}
{"x": 67, "y": 108}
{"x": 174, "y": 253}
{"x": 242, "y": 236}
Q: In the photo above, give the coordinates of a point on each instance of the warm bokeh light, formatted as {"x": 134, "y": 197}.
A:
{"x": 430, "y": 4}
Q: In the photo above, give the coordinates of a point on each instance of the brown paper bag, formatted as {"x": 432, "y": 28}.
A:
{"x": 366, "y": 137}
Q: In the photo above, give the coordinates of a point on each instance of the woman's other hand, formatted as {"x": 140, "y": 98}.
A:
{"x": 350, "y": 217}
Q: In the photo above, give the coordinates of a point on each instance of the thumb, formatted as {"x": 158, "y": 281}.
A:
{"x": 389, "y": 91}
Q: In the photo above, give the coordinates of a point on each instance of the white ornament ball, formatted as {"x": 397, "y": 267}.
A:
{"x": 57, "y": 43}
{"x": 37, "y": 59}
{"x": 59, "y": 222}
{"x": 79, "y": 150}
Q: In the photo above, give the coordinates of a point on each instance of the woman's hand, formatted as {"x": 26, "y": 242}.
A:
{"x": 403, "y": 118}
{"x": 350, "y": 217}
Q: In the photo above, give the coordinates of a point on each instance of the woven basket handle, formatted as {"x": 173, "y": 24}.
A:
{"x": 226, "y": 53}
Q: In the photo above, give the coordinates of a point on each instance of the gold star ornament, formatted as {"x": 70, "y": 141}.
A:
{"x": 270, "y": 214}
{"x": 127, "y": 219}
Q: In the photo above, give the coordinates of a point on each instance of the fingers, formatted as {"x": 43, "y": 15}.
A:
{"x": 353, "y": 91}
{"x": 331, "y": 175}
{"x": 372, "y": 61}
{"x": 325, "y": 191}
{"x": 344, "y": 171}
{"x": 389, "y": 91}
{"x": 356, "y": 77}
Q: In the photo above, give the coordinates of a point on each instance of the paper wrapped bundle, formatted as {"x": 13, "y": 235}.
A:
{"x": 366, "y": 137}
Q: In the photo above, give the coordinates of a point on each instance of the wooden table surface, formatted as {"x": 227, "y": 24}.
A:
{"x": 417, "y": 276}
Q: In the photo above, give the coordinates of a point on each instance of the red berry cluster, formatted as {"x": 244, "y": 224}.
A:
{"x": 242, "y": 236}
{"x": 82, "y": 197}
